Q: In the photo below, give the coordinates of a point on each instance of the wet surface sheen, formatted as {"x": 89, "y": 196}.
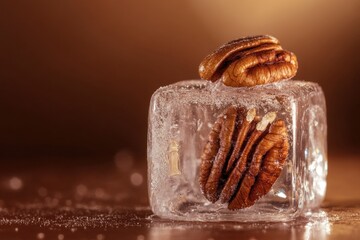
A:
{"x": 109, "y": 201}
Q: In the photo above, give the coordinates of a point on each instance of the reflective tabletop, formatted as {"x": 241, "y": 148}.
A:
{"x": 62, "y": 198}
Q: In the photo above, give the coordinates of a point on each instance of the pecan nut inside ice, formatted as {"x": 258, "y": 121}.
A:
{"x": 243, "y": 157}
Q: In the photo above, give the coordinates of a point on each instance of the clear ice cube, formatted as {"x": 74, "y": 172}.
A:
{"x": 180, "y": 118}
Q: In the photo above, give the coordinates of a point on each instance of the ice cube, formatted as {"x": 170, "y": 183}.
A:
{"x": 181, "y": 116}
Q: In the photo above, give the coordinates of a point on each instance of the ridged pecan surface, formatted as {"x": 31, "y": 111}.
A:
{"x": 243, "y": 157}
{"x": 248, "y": 62}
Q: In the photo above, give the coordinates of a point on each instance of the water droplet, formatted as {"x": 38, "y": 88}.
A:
{"x": 124, "y": 160}
{"x": 68, "y": 202}
{"x": 81, "y": 190}
{"x": 238, "y": 227}
{"x": 42, "y": 192}
{"x": 100, "y": 237}
{"x": 61, "y": 237}
{"x": 136, "y": 179}
{"x": 140, "y": 237}
{"x": 120, "y": 196}
{"x": 99, "y": 193}
{"x": 15, "y": 183}
{"x": 40, "y": 235}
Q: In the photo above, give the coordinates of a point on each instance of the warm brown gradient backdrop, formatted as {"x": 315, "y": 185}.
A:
{"x": 76, "y": 76}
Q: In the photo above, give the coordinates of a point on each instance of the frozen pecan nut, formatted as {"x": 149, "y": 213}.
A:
{"x": 248, "y": 62}
{"x": 243, "y": 157}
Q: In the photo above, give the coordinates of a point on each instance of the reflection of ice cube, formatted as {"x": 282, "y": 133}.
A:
{"x": 183, "y": 114}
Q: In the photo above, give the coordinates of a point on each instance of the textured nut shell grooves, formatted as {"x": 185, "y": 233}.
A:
{"x": 240, "y": 161}
{"x": 226, "y": 133}
{"x": 249, "y": 61}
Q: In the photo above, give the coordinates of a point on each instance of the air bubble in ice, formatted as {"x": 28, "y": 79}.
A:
{"x": 281, "y": 193}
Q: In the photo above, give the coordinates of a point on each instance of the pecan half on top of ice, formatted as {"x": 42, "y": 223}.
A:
{"x": 248, "y": 62}
{"x": 243, "y": 157}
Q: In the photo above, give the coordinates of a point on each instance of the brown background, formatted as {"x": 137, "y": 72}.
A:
{"x": 76, "y": 76}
